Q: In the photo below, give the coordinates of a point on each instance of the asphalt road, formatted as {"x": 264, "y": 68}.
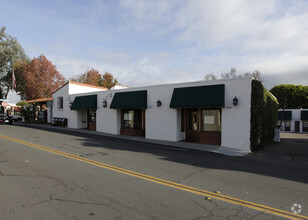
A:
{"x": 40, "y": 184}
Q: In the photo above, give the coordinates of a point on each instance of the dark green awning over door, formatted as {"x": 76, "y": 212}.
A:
{"x": 129, "y": 100}
{"x": 199, "y": 97}
{"x": 85, "y": 102}
{"x": 287, "y": 115}
{"x": 304, "y": 115}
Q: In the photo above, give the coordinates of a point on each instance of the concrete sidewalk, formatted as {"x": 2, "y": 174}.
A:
{"x": 184, "y": 145}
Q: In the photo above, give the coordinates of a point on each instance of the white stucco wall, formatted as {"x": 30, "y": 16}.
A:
{"x": 160, "y": 123}
{"x": 296, "y": 116}
{"x": 107, "y": 120}
{"x": 65, "y": 112}
{"x": 69, "y": 92}
{"x": 163, "y": 123}
{"x": 79, "y": 89}
{"x": 236, "y": 119}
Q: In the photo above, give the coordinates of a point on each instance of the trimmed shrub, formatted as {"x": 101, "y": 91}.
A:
{"x": 264, "y": 116}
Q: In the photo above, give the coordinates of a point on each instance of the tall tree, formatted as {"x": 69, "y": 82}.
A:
{"x": 108, "y": 80}
{"x": 229, "y": 75}
{"x": 42, "y": 78}
{"x": 232, "y": 75}
{"x": 255, "y": 75}
{"x": 93, "y": 77}
{"x": 21, "y": 83}
{"x": 210, "y": 76}
{"x": 10, "y": 52}
{"x": 294, "y": 96}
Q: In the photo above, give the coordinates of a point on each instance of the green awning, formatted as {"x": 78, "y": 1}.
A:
{"x": 85, "y": 102}
{"x": 199, "y": 97}
{"x": 287, "y": 115}
{"x": 304, "y": 115}
{"x": 129, "y": 100}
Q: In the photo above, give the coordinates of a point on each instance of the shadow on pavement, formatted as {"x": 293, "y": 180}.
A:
{"x": 286, "y": 160}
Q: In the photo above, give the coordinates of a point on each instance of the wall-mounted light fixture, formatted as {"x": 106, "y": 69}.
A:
{"x": 105, "y": 103}
{"x": 235, "y": 101}
{"x": 158, "y": 103}
{"x": 71, "y": 103}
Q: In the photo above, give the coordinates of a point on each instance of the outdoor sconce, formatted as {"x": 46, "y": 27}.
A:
{"x": 158, "y": 103}
{"x": 105, "y": 103}
{"x": 71, "y": 104}
{"x": 235, "y": 101}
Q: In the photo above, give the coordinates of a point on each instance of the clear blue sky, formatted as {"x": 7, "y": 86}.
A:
{"x": 157, "y": 42}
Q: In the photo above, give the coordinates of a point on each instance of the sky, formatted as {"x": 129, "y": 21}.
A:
{"x": 144, "y": 42}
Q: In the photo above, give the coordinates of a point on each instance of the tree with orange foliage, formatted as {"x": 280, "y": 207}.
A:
{"x": 93, "y": 77}
{"x": 108, "y": 80}
{"x": 42, "y": 78}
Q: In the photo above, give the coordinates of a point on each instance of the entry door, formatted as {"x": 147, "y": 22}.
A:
{"x": 192, "y": 130}
{"x": 296, "y": 126}
{"x": 91, "y": 120}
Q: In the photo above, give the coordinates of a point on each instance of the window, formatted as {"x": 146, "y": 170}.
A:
{"x": 60, "y": 102}
{"x": 305, "y": 126}
{"x": 131, "y": 118}
{"x": 211, "y": 120}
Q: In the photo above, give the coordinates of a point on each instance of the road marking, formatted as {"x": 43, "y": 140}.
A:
{"x": 202, "y": 192}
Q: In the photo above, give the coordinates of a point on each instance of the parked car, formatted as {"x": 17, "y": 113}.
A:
{"x": 18, "y": 118}
{"x": 4, "y": 119}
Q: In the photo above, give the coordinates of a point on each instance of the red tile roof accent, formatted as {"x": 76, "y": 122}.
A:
{"x": 87, "y": 85}
{"x": 40, "y": 100}
{"x": 80, "y": 84}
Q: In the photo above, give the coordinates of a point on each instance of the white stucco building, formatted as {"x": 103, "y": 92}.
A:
{"x": 63, "y": 97}
{"x": 293, "y": 120}
{"x": 200, "y": 112}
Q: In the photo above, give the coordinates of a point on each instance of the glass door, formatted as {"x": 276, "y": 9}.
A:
{"x": 192, "y": 131}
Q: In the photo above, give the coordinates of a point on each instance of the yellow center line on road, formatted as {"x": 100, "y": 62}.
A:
{"x": 202, "y": 192}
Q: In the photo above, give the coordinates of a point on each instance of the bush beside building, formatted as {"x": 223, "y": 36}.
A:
{"x": 264, "y": 116}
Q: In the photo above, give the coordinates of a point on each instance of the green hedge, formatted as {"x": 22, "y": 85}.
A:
{"x": 264, "y": 116}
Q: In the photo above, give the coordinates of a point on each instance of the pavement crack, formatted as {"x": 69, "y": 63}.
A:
{"x": 190, "y": 175}
{"x": 51, "y": 198}
{"x": 79, "y": 202}
{"x": 46, "y": 200}
{"x": 58, "y": 181}
{"x": 19, "y": 175}
{"x": 41, "y": 176}
{"x": 198, "y": 204}
{"x": 55, "y": 179}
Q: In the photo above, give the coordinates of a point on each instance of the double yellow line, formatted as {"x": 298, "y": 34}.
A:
{"x": 228, "y": 199}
